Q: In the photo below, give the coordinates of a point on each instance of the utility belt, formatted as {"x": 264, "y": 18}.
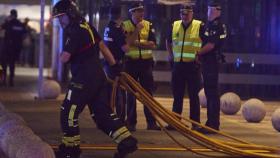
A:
{"x": 135, "y": 54}
{"x": 215, "y": 55}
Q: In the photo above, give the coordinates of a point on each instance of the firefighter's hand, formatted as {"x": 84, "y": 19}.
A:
{"x": 116, "y": 69}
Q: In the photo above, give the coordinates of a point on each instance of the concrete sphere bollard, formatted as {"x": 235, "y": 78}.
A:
{"x": 275, "y": 119}
{"x": 35, "y": 149}
{"x": 10, "y": 117}
{"x": 2, "y": 154}
{"x": 230, "y": 103}
{"x": 202, "y": 98}
{"x": 14, "y": 137}
{"x": 50, "y": 89}
{"x": 2, "y": 109}
{"x": 253, "y": 110}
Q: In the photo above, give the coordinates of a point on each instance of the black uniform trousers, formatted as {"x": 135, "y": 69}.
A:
{"x": 142, "y": 71}
{"x": 210, "y": 72}
{"x": 9, "y": 56}
{"x": 186, "y": 73}
{"x": 120, "y": 102}
{"x": 78, "y": 96}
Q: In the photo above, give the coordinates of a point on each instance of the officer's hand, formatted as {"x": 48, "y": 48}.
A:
{"x": 1, "y": 75}
{"x": 139, "y": 26}
{"x": 171, "y": 60}
{"x": 198, "y": 58}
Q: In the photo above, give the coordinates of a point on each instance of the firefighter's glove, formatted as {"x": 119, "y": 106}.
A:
{"x": 116, "y": 69}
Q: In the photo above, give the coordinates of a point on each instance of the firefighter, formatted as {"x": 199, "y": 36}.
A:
{"x": 139, "y": 62}
{"x": 116, "y": 41}
{"x": 88, "y": 85}
{"x": 213, "y": 36}
{"x": 183, "y": 43}
{"x": 14, "y": 32}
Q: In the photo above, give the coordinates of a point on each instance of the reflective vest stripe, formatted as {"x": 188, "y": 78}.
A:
{"x": 185, "y": 55}
{"x": 194, "y": 44}
{"x": 145, "y": 54}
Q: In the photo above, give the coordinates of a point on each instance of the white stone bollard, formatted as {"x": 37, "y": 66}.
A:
{"x": 18, "y": 141}
{"x": 35, "y": 149}
{"x": 202, "y": 98}
{"x": 10, "y": 117}
{"x": 275, "y": 119}
{"x": 50, "y": 89}
{"x": 2, "y": 110}
{"x": 12, "y": 138}
{"x": 253, "y": 110}
{"x": 230, "y": 103}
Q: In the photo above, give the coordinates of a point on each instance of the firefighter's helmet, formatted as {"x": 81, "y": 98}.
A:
{"x": 65, "y": 7}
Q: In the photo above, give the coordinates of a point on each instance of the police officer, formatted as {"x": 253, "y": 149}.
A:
{"x": 183, "y": 43}
{"x": 1, "y": 73}
{"x": 139, "y": 62}
{"x": 213, "y": 36}
{"x": 14, "y": 31}
{"x": 115, "y": 39}
{"x": 88, "y": 85}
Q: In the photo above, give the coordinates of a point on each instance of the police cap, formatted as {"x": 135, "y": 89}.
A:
{"x": 215, "y": 3}
{"x": 186, "y": 8}
{"x": 136, "y": 6}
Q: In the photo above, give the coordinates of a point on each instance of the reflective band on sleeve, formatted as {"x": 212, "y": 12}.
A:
{"x": 223, "y": 36}
{"x": 69, "y": 94}
{"x": 71, "y": 115}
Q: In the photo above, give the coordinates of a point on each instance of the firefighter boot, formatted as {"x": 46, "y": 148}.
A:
{"x": 125, "y": 147}
{"x": 68, "y": 152}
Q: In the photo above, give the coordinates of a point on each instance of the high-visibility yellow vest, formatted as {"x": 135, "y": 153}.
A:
{"x": 135, "y": 52}
{"x": 185, "y": 44}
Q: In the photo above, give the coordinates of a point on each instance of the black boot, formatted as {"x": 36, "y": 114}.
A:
{"x": 125, "y": 147}
{"x": 68, "y": 152}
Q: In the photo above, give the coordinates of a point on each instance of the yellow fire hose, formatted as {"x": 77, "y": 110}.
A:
{"x": 141, "y": 147}
{"x": 232, "y": 147}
